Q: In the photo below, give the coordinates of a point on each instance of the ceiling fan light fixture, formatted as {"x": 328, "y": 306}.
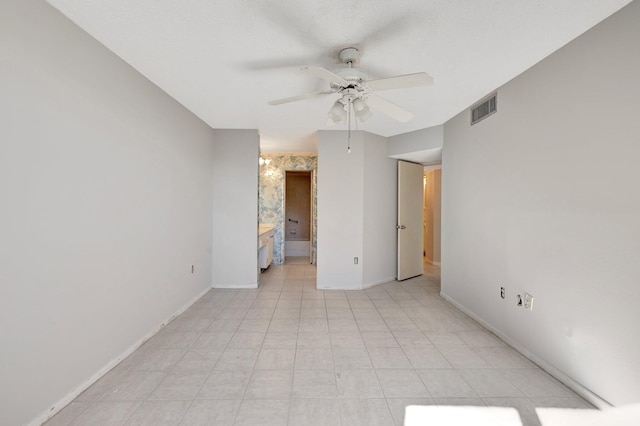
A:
{"x": 337, "y": 113}
{"x": 364, "y": 114}
{"x": 359, "y": 105}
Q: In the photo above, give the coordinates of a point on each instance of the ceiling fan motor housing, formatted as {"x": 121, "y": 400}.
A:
{"x": 354, "y": 76}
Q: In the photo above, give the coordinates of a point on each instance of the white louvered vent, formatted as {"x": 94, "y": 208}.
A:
{"x": 484, "y": 109}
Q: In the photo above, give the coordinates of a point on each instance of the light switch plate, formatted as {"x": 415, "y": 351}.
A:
{"x": 528, "y": 301}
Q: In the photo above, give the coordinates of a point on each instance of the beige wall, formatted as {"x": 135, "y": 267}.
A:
{"x": 357, "y": 211}
{"x": 235, "y": 213}
{"x": 298, "y": 206}
{"x": 437, "y": 206}
{"x": 543, "y": 197}
{"x": 107, "y": 201}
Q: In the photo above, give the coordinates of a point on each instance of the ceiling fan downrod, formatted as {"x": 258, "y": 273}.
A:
{"x": 349, "y": 55}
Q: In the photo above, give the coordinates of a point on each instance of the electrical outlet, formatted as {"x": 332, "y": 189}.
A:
{"x": 193, "y": 269}
{"x": 503, "y": 293}
{"x": 355, "y": 260}
{"x": 528, "y": 301}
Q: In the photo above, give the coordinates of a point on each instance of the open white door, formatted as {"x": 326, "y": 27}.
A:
{"x": 410, "y": 220}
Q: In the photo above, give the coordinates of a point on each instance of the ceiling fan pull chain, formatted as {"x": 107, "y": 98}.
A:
{"x": 349, "y": 132}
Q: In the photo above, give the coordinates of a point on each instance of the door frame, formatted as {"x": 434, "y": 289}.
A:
{"x": 311, "y": 174}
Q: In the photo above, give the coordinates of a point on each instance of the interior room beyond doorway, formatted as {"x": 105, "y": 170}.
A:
{"x": 298, "y": 214}
{"x": 432, "y": 206}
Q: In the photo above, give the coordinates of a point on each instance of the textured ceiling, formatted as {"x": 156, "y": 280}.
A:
{"x": 224, "y": 59}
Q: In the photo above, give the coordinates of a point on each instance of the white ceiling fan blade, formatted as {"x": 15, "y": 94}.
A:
{"x": 401, "y": 81}
{"x": 325, "y": 74}
{"x": 389, "y": 108}
{"x": 299, "y": 97}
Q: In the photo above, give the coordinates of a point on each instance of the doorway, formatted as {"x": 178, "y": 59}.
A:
{"x": 432, "y": 180}
{"x": 298, "y": 217}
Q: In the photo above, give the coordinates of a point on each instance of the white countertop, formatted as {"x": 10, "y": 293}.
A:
{"x": 263, "y": 228}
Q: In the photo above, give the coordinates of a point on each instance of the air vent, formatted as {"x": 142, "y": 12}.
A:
{"x": 484, "y": 109}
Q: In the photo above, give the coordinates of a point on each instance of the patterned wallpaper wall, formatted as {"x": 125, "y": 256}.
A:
{"x": 271, "y": 196}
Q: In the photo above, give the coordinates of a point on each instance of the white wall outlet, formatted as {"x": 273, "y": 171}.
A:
{"x": 355, "y": 260}
{"x": 528, "y": 301}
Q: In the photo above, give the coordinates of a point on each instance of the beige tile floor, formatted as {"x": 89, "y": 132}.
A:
{"x": 289, "y": 354}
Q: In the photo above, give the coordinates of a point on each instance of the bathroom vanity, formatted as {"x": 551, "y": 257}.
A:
{"x": 265, "y": 245}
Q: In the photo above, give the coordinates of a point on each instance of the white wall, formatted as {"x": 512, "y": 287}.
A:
{"x": 421, "y": 146}
{"x": 356, "y": 211}
{"x": 543, "y": 197}
{"x": 380, "y": 212}
{"x": 340, "y": 210}
{"x": 437, "y": 216}
{"x": 235, "y": 213}
{"x": 106, "y": 203}
{"x": 419, "y": 140}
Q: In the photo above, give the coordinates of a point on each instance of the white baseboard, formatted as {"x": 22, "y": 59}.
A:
{"x": 566, "y": 380}
{"x": 235, "y": 287}
{"x": 55, "y": 408}
{"x": 378, "y": 282}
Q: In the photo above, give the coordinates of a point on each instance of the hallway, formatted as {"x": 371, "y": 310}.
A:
{"x": 288, "y": 354}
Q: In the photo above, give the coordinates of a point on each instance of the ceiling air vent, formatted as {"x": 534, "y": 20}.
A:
{"x": 484, "y": 109}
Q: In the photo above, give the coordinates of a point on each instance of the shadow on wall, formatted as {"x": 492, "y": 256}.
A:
{"x": 271, "y": 199}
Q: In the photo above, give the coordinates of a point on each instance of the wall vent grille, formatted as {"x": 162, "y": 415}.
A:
{"x": 484, "y": 109}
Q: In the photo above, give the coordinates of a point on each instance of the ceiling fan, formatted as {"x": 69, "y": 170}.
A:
{"x": 357, "y": 93}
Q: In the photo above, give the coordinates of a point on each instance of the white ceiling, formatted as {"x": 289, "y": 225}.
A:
{"x": 224, "y": 59}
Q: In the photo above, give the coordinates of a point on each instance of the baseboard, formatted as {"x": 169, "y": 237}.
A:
{"x": 378, "y": 282}
{"x": 55, "y": 408}
{"x": 235, "y": 287}
{"x": 563, "y": 378}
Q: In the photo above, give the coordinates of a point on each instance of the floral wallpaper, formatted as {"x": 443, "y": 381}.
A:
{"x": 271, "y": 196}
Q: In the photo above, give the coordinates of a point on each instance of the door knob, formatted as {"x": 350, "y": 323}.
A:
{"x": 403, "y": 227}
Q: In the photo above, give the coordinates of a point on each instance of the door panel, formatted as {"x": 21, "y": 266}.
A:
{"x": 410, "y": 220}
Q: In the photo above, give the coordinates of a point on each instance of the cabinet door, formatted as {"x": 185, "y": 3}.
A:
{"x": 270, "y": 248}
